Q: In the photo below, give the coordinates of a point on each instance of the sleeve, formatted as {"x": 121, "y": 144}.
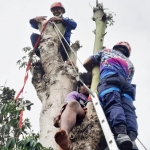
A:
{"x": 69, "y": 23}
{"x": 72, "y": 95}
{"x": 96, "y": 57}
{"x": 33, "y": 23}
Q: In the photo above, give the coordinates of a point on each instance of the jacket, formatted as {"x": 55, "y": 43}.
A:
{"x": 112, "y": 62}
{"x": 69, "y": 24}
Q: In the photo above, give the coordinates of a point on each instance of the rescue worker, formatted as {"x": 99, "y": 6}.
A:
{"x": 72, "y": 110}
{"x": 116, "y": 92}
{"x": 58, "y": 10}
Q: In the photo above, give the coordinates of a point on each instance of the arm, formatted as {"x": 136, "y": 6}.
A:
{"x": 88, "y": 64}
{"x": 69, "y": 23}
{"x": 34, "y": 22}
{"x": 92, "y": 61}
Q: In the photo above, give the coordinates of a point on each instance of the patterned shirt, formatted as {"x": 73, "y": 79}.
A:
{"x": 111, "y": 62}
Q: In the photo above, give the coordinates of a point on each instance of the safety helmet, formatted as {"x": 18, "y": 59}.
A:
{"x": 57, "y": 4}
{"x": 125, "y": 45}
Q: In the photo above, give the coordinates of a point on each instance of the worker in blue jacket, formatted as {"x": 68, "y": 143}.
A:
{"x": 57, "y": 9}
{"x": 116, "y": 92}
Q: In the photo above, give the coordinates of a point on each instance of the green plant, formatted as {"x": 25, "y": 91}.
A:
{"x": 11, "y": 136}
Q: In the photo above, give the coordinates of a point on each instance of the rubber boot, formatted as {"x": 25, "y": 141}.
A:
{"x": 122, "y": 139}
{"x": 133, "y": 136}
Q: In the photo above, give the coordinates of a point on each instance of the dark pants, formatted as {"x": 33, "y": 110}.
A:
{"x": 35, "y": 36}
{"x": 63, "y": 51}
{"x": 117, "y": 100}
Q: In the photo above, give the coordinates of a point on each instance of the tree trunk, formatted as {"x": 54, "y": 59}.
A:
{"x": 53, "y": 80}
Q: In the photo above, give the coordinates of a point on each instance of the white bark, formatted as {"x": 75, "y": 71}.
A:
{"x": 53, "y": 80}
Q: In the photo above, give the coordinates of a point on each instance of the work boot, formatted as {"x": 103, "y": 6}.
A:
{"x": 133, "y": 136}
{"x": 122, "y": 139}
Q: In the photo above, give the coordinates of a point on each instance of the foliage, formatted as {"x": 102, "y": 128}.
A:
{"x": 12, "y": 137}
{"x": 30, "y": 56}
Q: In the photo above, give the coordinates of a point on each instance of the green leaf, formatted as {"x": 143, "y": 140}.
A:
{"x": 1, "y": 119}
{"x": 7, "y": 129}
{"x": 10, "y": 143}
{"x": 3, "y": 109}
{"x": 13, "y": 122}
{"x": 32, "y": 143}
{"x": 3, "y": 129}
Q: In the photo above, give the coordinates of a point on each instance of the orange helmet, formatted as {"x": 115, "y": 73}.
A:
{"x": 57, "y": 4}
{"x": 125, "y": 45}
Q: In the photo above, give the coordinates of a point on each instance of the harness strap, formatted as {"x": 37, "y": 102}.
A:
{"x": 127, "y": 96}
{"x": 108, "y": 91}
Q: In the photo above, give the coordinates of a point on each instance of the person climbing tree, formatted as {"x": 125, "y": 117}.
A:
{"x": 58, "y": 10}
{"x": 116, "y": 92}
{"x": 72, "y": 110}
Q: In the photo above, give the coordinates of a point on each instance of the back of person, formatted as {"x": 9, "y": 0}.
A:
{"x": 116, "y": 93}
{"x": 113, "y": 61}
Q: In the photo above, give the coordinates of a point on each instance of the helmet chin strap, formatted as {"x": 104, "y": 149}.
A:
{"x": 122, "y": 50}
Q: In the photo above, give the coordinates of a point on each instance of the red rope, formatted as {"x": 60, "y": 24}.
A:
{"x": 26, "y": 76}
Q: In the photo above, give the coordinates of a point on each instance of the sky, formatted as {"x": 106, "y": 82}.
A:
{"x": 132, "y": 24}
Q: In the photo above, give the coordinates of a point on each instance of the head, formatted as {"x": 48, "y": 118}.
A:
{"x": 57, "y": 9}
{"x": 87, "y": 79}
{"x": 123, "y": 47}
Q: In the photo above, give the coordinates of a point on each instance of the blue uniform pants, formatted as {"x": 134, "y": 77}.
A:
{"x": 35, "y": 36}
{"x": 117, "y": 102}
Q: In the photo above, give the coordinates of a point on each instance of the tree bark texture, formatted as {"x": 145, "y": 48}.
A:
{"x": 53, "y": 80}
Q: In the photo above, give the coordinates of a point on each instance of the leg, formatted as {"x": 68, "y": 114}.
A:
{"x": 112, "y": 106}
{"x": 72, "y": 112}
{"x": 34, "y": 37}
{"x": 63, "y": 51}
{"x": 130, "y": 114}
{"x": 131, "y": 120}
{"x": 114, "y": 112}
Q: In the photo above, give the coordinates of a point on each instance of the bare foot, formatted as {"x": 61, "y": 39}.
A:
{"x": 61, "y": 138}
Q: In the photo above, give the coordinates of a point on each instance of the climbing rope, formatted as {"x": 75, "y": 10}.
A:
{"x": 67, "y": 43}
{"x": 142, "y": 144}
{"x": 56, "y": 29}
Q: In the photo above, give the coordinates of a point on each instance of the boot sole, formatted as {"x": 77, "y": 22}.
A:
{"x": 127, "y": 145}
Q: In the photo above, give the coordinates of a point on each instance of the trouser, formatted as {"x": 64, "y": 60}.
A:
{"x": 117, "y": 97}
{"x": 35, "y": 36}
{"x": 63, "y": 51}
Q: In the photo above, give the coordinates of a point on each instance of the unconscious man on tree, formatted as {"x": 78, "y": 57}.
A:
{"x": 72, "y": 111}
{"x": 58, "y": 10}
{"x": 116, "y": 92}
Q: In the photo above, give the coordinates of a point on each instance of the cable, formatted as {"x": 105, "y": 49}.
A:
{"x": 141, "y": 144}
